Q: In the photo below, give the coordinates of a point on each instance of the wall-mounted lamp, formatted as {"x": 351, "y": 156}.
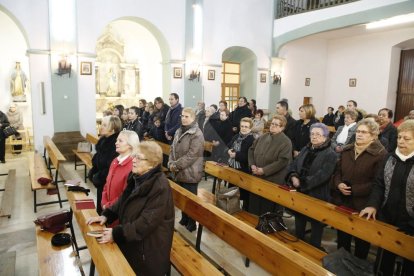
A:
{"x": 277, "y": 79}
{"x": 195, "y": 74}
{"x": 64, "y": 67}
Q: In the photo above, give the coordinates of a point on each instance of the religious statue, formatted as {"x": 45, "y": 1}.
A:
{"x": 18, "y": 84}
{"x": 112, "y": 78}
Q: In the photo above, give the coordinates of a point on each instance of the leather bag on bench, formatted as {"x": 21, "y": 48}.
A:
{"x": 84, "y": 147}
{"x": 54, "y": 222}
{"x": 228, "y": 200}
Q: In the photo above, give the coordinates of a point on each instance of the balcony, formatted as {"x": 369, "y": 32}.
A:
{"x": 291, "y": 7}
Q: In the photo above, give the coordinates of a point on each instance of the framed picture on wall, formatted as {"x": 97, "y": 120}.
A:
{"x": 86, "y": 68}
{"x": 178, "y": 72}
{"x": 211, "y": 75}
{"x": 262, "y": 77}
{"x": 352, "y": 82}
{"x": 307, "y": 81}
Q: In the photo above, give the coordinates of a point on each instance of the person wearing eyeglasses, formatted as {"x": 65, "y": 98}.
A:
{"x": 310, "y": 173}
{"x": 354, "y": 177}
{"x": 186, "y": 158}
{"x": 146, "y": 214}
{"x": 269, "y": 157}
{"x": 391, "y": 199}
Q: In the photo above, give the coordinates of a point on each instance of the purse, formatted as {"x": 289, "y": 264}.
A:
{"x": 9, "y": 131}
{"x": 84, "y": 147}
{"x": 271, "y": 223}
{"x": 228, "y": 200}
{"x": 54, "y": 222}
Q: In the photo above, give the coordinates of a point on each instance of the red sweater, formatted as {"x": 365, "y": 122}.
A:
{"x": 116, "y": 181}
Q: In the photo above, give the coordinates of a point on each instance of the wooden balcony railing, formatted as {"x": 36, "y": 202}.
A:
{"x": 290, "y": 7}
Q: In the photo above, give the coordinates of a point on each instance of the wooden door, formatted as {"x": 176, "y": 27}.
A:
{"x": 405, "y": 90}
{"x": 230, "y": 87}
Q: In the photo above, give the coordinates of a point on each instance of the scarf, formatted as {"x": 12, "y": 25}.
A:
{"x": 237, "y": 147}
{"x": 184, "y": 129}
{"x": 402, "y": 156}
{"x": 139, "y": 179}
{"x": 360, "y": 149}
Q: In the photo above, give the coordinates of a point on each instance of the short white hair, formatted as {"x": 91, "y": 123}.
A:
{"x": 132, "y": 138}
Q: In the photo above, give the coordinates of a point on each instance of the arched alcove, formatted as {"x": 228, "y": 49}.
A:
{"x": 248, "y": 68}
{"x": 13, "y": 48}
{"x": 131, "y": 58}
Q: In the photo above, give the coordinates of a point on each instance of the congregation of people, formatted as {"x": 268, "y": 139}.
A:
{"x": 365, "y": 165}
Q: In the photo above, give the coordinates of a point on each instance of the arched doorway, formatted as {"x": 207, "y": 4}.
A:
{"x": 239, "y": 74}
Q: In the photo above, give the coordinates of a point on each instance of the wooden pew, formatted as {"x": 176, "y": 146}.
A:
{"x": 276, "y": 258}
{"x": 188, "y": 261}
{"x": 301, "y": 247}
{"x": 85, "y": 157}
{"x": 378, "y": 233}
{"x": 7, "y": 198}
{"x": 37, "y": 169}
{"x": 49, "y": 146}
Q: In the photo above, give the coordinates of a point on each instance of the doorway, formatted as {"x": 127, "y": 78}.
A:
{"x": 405, "y": 89}
{"x": 230, "y": 87}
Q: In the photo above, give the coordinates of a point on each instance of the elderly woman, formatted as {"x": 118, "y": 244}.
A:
{"x": 354, "y": 176}
{"x": 310, "y": 174}
{"x": 391, "y": 199}
{"x": 121, "y": 166}
{"x": 301, "y": 138}
{"x": 186, "y": 158}
{"x": 258, "y": 123}
{"x": 269, "y": 157}
{"x": 146, "y": 214}
{"x": 238, "y": 153}
{"x": 15, "y": 117}
{"x": 388, "y": 132}
{"x": 345, "y": 134}
{"x": 105, "y": 153}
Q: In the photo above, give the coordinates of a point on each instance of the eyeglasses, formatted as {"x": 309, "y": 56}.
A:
{"x": 362, "y": 131}
{"x": 275, "y": 124}
{"x": 137, "y": 157}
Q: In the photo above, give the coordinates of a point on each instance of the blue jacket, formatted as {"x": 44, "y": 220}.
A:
{"x": 173, "y": 120}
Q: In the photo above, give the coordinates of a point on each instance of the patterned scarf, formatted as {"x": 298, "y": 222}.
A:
{"x": 237, "y": 147}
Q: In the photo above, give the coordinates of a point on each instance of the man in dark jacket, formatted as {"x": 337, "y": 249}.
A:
{"x": 239, "y": 113}
{"x": 4, "y": 122}
{"x": 329, "y": 118}
{"x": 282, "y": 108}
{"x": 173, "y": 118}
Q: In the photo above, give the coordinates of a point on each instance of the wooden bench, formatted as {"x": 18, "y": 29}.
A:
{"x": 7, "y": 199}
{"x": 188, "y": 261}
{"x": 38, "y": 169}
{"x": 85, "y": 157}
{"x": 55, "y": 260}
{"x": 376, "y": 232}
{"x": 275, "y": 258}
{"x": 301, "y": 247}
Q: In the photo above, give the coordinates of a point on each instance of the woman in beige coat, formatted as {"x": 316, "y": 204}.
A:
{"x": 186, "y": 158}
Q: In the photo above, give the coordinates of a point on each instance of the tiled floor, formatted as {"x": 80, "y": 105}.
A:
{"x": 17, "y": 233}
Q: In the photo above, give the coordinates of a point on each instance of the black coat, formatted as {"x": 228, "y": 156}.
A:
{"x": 173, "y": 120}
{"x": 290, "y": 127}
{"x": 146, "y": 216}
{"x": 238, "y": 114}
{"x": 101, "y": 161}
{"x": 329, "y": 119}
{"x": 339, "y": 120}
{"x": 4, "y": 123}
{"x": 224, "y": 134}
{"x": 137, "y": 127}
{"x": 242, "y": 156}
{"x": 314, "y": 174}
{"x": 301, "y": 137}
{"x": 389, "y": 137}
{"x": 162, "y": 113}
{"x": 158, "y": 134}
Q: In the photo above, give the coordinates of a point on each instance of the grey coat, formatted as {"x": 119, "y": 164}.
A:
{"x": 349, "y": 139}
{"x": 186, "y": 155}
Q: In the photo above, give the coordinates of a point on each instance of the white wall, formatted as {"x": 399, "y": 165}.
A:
{"x": 372, "y": 59}
{"x": 304, "y": 58}
{"x": 232, "y": 23}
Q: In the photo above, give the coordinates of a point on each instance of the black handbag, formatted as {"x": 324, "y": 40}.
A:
{"x": 9, "y": 131}
{"x": 271, "y": 223}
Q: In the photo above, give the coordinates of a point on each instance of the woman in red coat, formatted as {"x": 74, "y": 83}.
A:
{"x": 121, "y": 166}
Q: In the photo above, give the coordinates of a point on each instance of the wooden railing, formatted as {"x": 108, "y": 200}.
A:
{"x": 290, "y": 7}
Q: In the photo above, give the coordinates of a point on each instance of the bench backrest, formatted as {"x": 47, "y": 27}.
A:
{"x": 277, "y": 259}
{"x": 56, "y": 157}
{"x": 375, "y": 232}
{"x": 93, "y": 139}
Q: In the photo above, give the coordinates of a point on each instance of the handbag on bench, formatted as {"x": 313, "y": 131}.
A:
{"x": 84, "y": 147}
{"x": 228, "y": 200}
{"x": 271, "y": 223}
{"x": 54, "y": 222}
